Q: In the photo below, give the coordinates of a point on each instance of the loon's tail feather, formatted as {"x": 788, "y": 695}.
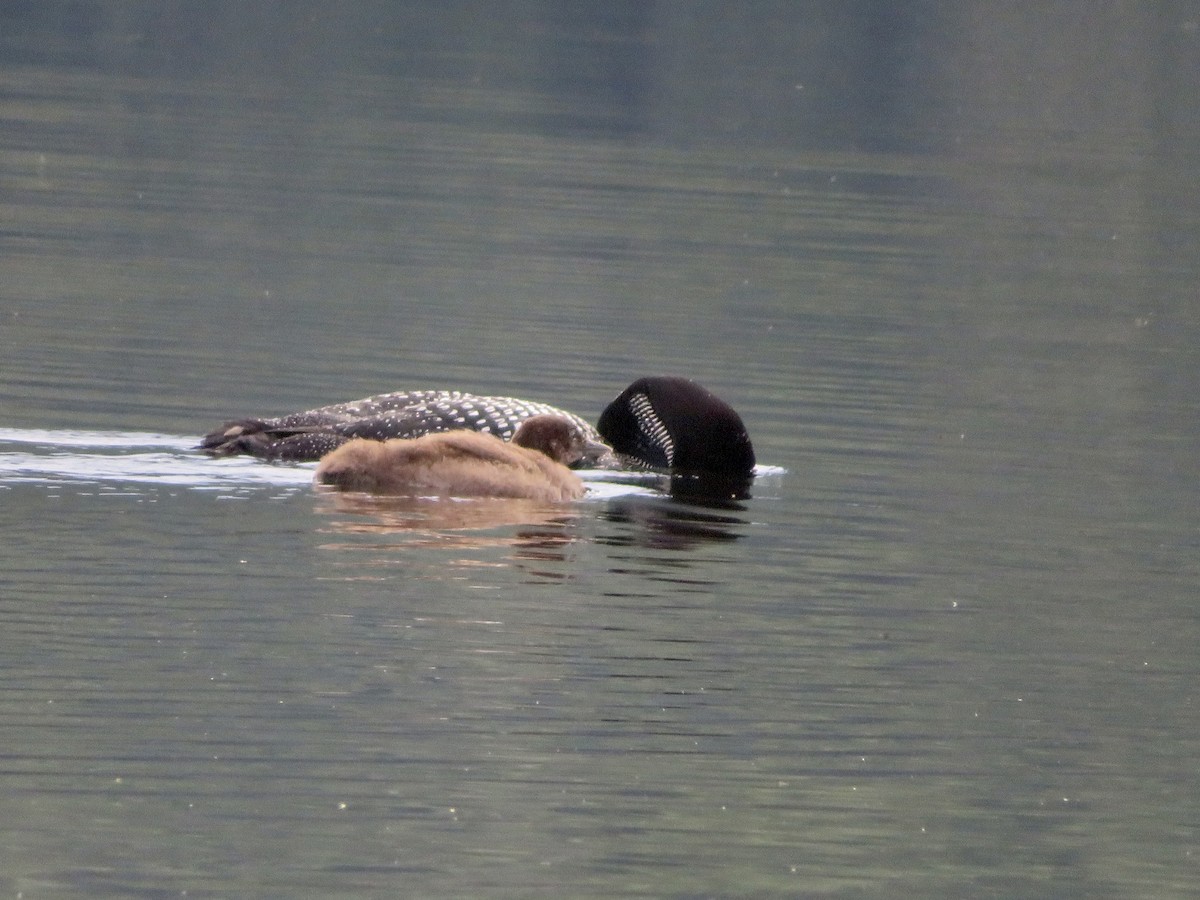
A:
{"x": 225, "y": 440}
{"x": 267, "y": 440}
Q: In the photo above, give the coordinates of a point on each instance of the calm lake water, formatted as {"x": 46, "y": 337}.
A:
{"x": 943, "y": 261}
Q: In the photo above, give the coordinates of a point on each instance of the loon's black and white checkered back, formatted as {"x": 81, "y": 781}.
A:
{"x": 311, "y": 434}
{"x": 423, "y": 412}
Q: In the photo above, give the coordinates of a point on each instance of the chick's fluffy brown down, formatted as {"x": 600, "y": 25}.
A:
{"x": 463, "y": 464}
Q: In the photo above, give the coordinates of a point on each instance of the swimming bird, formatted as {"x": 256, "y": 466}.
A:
{"x": 667, "y": 422}
{"x": 464, "y": 463}
{"x": 309, "y": 435}
{"x": 662, "y": 422}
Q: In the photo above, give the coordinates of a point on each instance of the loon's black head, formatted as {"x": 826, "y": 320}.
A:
{"x": 673, "y": 423}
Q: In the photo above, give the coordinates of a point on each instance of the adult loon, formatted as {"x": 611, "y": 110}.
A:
{"x": 463, "y": 463}
{"x": 662, "y": 422}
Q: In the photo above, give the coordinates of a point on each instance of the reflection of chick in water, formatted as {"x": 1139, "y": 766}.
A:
{"x": 465, "y": 464}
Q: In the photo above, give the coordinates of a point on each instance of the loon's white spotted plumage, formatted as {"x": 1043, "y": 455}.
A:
{"x": 311, "y": 434}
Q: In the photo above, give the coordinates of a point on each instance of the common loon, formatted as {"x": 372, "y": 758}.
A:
{"x": 465, "y": 463}
{"x": 662, "y": 422}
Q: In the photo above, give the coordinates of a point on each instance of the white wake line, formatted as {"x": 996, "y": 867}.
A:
{"x": 144, "y": 468}
{"x": 63, "y": 457}
{"x": 46, "y": 456}
{"x": 67, "y": 438}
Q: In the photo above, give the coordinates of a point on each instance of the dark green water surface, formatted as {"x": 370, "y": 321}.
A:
{"x": 943, "y": 260}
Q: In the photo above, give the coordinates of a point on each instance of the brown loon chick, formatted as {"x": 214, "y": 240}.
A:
{"x": 465, "y": 463}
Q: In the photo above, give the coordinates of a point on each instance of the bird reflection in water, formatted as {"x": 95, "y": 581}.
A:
{"x": 529, "y": 531}
{"x": 672, "y": 524}
{"x": 670, "y": 511}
